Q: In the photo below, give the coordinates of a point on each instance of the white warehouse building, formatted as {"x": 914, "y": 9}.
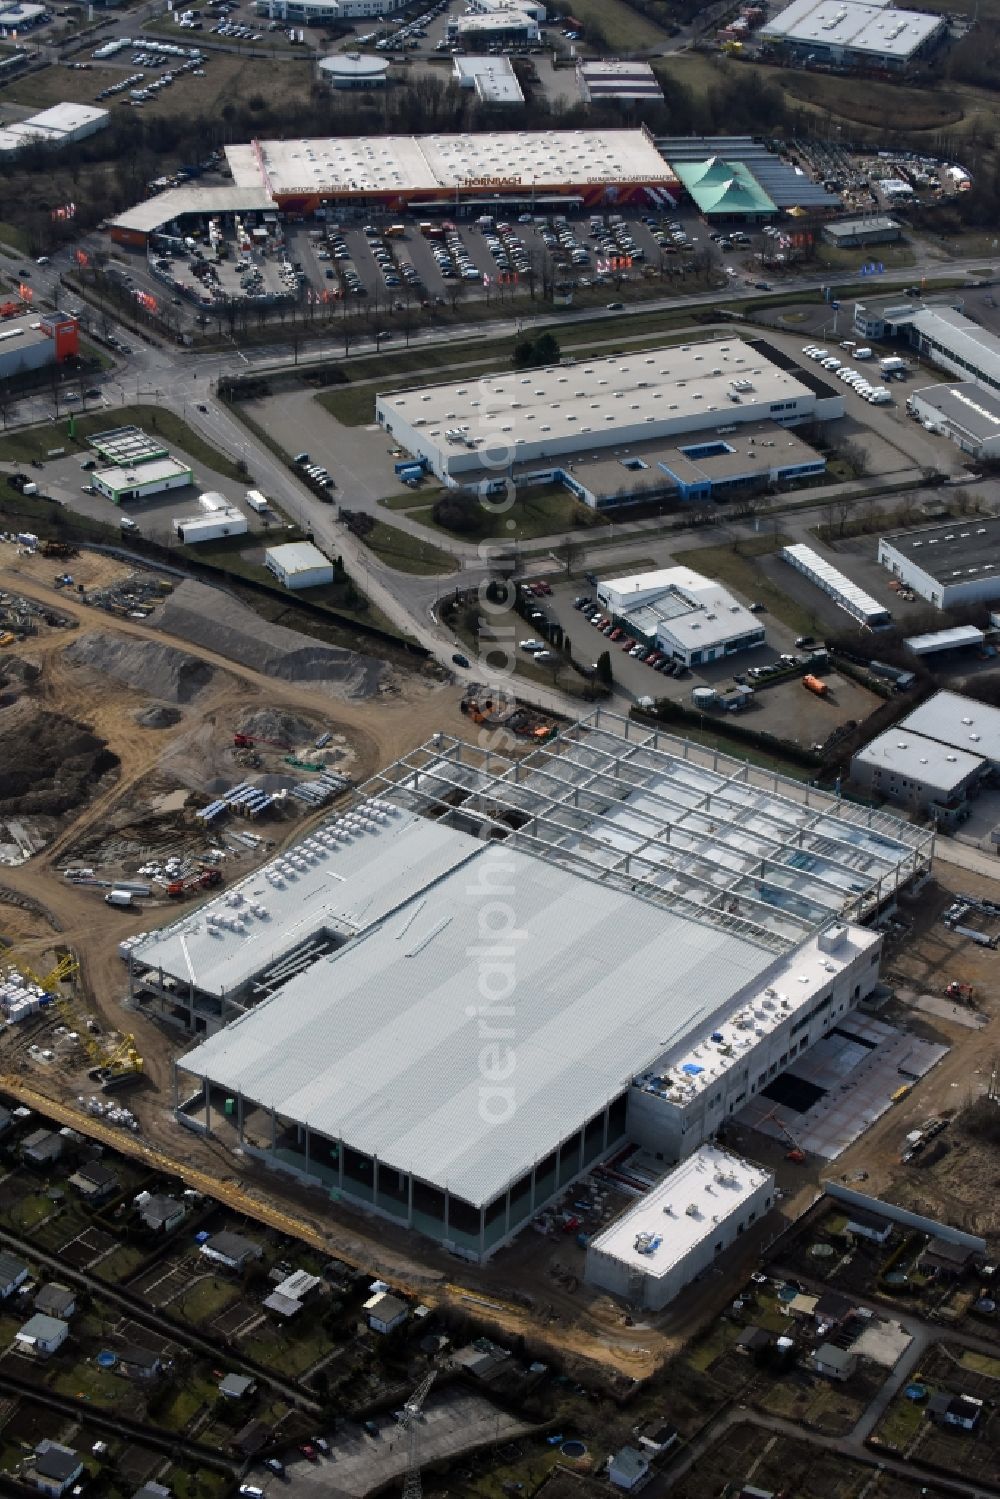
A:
{"x": 849, "y": 33}
{"x": 681, "y": 612}
{"x": 471, "y": 432}
{"x": 299, "y": 564}
{"x": 623, "y": 855}
{"x": 676, "y": 1231}
{"x": 949, "y": 564}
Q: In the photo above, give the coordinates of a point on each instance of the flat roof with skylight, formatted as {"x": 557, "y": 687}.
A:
{"x": 853, "y": 27}
{"x": 903, "y": 752}
{"x": 682, "y": 1210}
{"x": 409, "y": 163}
{"x": 960, "y": 722}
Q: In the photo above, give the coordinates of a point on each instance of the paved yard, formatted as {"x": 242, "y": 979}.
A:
{"x": 360, "y": 1464}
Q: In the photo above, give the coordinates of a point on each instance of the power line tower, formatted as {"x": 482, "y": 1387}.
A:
{"x": 409, "y": 1423}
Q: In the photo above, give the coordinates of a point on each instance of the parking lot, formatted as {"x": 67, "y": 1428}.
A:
{"x": 781, "y": 707}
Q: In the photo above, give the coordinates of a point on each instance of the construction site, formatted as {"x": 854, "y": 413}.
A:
{"x": 171, "y": 771}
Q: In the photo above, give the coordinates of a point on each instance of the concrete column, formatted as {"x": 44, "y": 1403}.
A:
{"x": 409, "y": 1199}
{"x": 340, "y": 1165}
{"x": 607, "y": 1122}
{"x": 534, "y": 1167}
{"x": 239, "y": 1117}
{"x": 374, "y": 1179}
{"x": 208, "y": 1105}
{"x": 307, "y": 1148}
{"x": 482, "y": 1232}
{"x": 447, "y": 1203}
{"x": 274, "y": 1129}
{"x": 174, "y": 1071}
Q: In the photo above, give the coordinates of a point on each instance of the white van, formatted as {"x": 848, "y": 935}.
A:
{"x": 862, "y": 354}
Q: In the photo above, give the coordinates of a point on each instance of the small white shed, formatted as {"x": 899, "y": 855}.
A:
{"x": 299, "y": 564}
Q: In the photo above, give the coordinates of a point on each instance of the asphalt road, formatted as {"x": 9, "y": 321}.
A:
{"x": 181, "y": 379}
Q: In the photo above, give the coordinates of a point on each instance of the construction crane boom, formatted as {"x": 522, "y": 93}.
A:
{"x": 409, "y": 1423}
{"x": 119, "y": 1060}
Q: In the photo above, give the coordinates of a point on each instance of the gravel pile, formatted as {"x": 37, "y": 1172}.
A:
{"x": 214, "y": 620}
{"x": 280, "y": 728}
{"x": 158, "y": 716}
{"x": 160, "y": 671}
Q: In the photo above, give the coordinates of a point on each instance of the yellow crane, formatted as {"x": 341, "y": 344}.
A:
{"x": 116, "y": 1061}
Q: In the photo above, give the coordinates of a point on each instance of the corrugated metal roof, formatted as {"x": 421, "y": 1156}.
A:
{"x": 520, "y": 975}
{"x": 787, "y": 186}
{"x": 342, "y": 886}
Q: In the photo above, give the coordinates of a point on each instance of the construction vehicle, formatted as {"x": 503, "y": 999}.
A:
{"x": 815, "y": 685}
{"x": 249, "y": 741}
{"x": 963, "y": 993}
{"x": 918, "y": 1139}
{"x": 205, "y": 879}
{"x": 58, "y": 549}
{"x": 796, "y": 1154}
{"x": 114, "y": 1064}
{"x": 409, "y": 1419}
{"x": 6, "y": 638}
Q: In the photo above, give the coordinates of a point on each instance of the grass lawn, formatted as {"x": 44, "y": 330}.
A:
{"x": 85, "y": 1381}
{"x": 877, "y": 104}
{"x": 181, "y": 1406}
{"x": 901, "y": 1422}
{"x": 120, "y": 1264}
{"x": 197, "y": 1483}
{"x": 16, "y": 238}
{"x": 35, "y": 442}
{"x": 624, "y": 28}
{"x": 206, "y": 1299}
{"x": 406, "y": 553}
{"x": 28, "y": 1212}
{"x": 291, "y": 1354}
{"x": 981, "y": 1363}
{"x": 736, "y": 569}
{"x": 542, "y": 512}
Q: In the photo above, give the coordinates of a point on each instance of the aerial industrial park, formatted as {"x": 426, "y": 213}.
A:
{"x": 499, "y": 750}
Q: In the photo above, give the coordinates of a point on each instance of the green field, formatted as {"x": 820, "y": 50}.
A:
{"x": 542, "y": 512}
{"x": 36, "y": 442}
{"x": 737, "y": 570}
{"x": 227, "y": 78}
{"x": 624, "y": 29}
{"x": 407, "y": 554}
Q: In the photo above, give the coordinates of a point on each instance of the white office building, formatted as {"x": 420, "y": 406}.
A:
{"x": 927, "y": 777}
{"x": 960, "y": 723}
{"x": 315, "y": 12}
{"x": 493, "y": 78}
{"x": 515, "y": 26}
{"x": 949, "y": 564}
{"x": 690, "y": 617}
{"x": 679, "y": 1228}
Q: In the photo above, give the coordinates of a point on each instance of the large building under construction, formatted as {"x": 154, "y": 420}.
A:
{"x": 452, "y": 1000}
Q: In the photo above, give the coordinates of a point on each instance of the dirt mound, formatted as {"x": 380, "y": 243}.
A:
{"x": 158, "y": 716}
{"x": 161, "y": 671}
{"x": 48, "y": 764}
{"x": 211, "y": 618}
{"x": 279, "y": 728}
{"x": 14, "y": 669}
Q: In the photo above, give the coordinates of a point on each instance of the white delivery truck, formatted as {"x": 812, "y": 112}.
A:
{"x": 118, "y": 898}
{"x": 256, "y": 501}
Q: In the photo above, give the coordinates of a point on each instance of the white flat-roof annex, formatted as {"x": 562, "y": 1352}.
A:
{"x": 685, "y": 1207}
{"x": 668, "y": 386}
{"x": 427, "y": 163}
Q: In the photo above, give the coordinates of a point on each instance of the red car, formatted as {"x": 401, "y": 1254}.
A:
{"x": 310, "y": 1452}
{"x": 627, "y": 644}
{"x": 616, "y": 633}
{"x": 544, "y": 588}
